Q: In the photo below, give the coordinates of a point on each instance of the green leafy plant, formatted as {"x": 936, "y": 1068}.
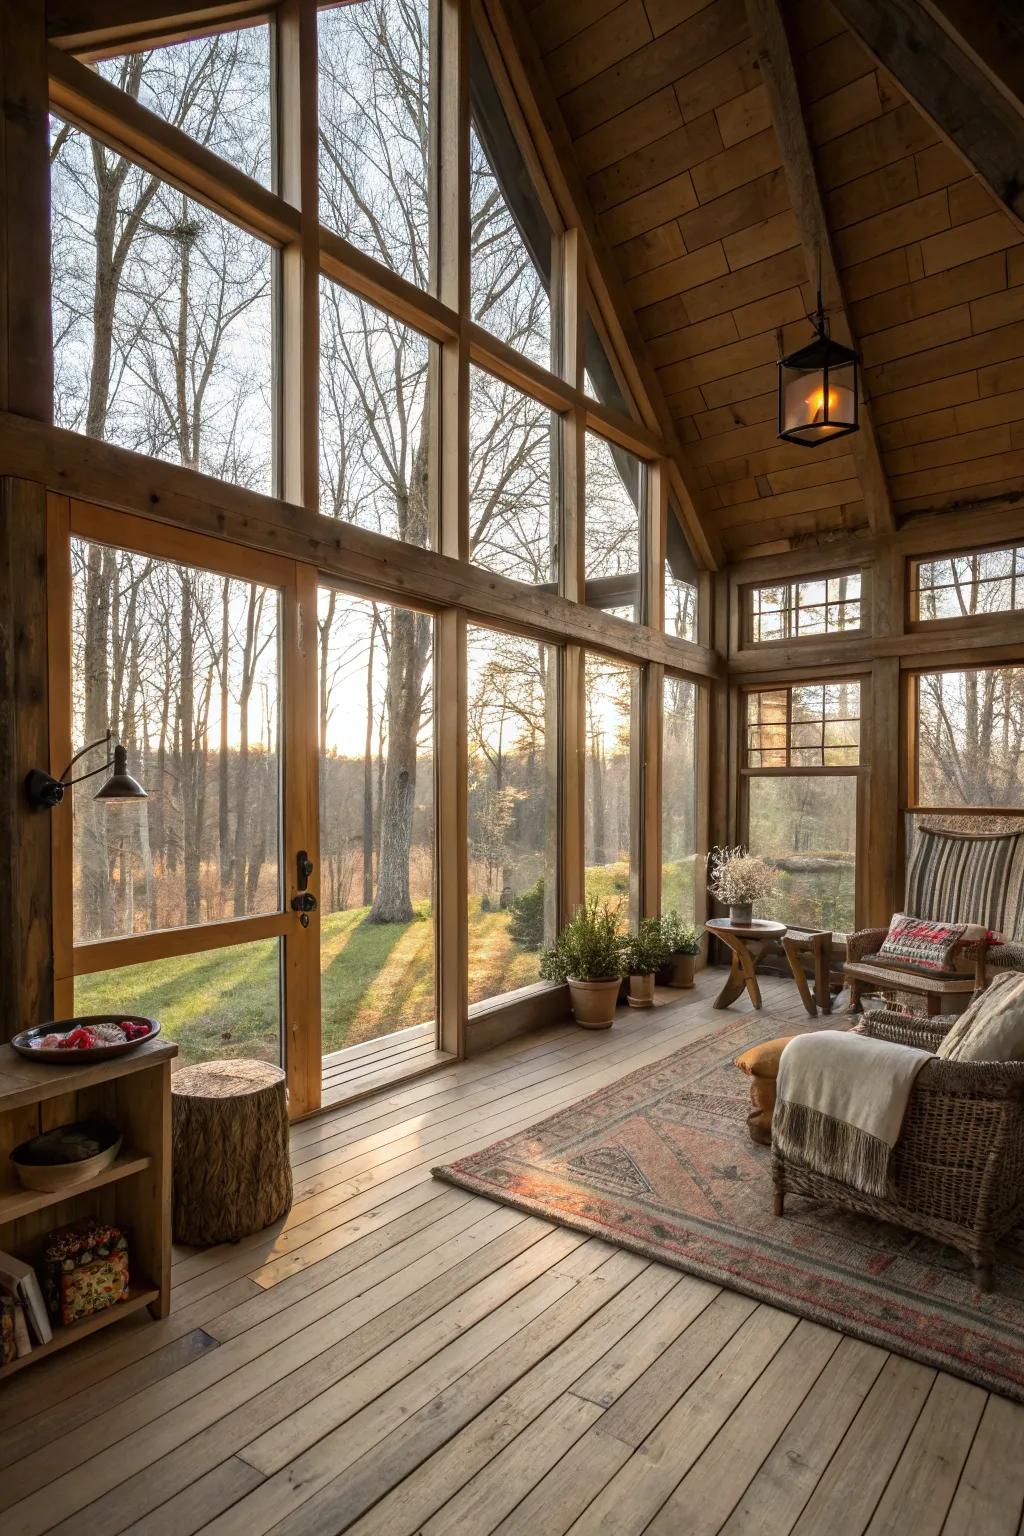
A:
{"x": 526, "y": 917}
{"x": 589, "y": 947}
{"x": 678, "y": 937}
{"x": 644, "y": 951}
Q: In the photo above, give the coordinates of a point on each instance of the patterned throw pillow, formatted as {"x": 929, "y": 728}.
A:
{"x": 916, "y": 941}
{"x": 992, "y": 1027}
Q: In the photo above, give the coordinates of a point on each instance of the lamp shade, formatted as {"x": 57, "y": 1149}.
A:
{"x": 818, "y": 392}
{"x": 120, "y": 785}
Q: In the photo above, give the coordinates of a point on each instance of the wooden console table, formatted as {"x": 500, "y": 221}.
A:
{"x": 133, "y": 1092}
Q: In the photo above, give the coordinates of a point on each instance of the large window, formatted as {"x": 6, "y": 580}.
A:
{"x": 512, "y": 691}
{"x": 376, "y": 818}
{"x": 376, "y": 425}
{"x": 801, "y": 782}
{"x": 970, "y": 738}
{"x": 511, "y": 242}
{"x": 616, "y": 495}
{"x": 968, "y": 586}
{"x": 513, "y": 495}
{"x": 611, "y": 847}
{"x": 374, "y": 76}
{"x": 162, "y": 317}
{"x": 679, "y": 842}
{"x": 182, "y": 665}
{"x": 795, "y": 610}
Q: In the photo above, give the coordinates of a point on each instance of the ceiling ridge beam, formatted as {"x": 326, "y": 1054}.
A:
{"x": 947, "y": 85}
{"x": 775, "y": 57}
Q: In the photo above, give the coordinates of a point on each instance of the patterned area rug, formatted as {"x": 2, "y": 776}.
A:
{"x": 660, "y": 1162}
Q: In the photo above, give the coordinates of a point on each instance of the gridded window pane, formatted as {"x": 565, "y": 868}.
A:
{"x": 374, "y": 99}
{"x": 512, "y": 691}
{"x": 216, "y": 89}
{"x": 376, "y": 421}
{"x": 510, "y": 238}
{"x": 807, "y": 828}
{"x": 162, "y": 318}
{"x": 182, "y": 665}
{"x": 680, "y": 583}
{"x": 969, "y": 585}
{"x": 513, "y": 508}
{"x": 679, "y": 797}
{"x": 218, "y": 1004}
{"x": 970, "y": 737}
{"x": 611, "y": 783}
{"x": 791, "y": 610}
{"x": 376, "y": 819}
{"x": 812, "y": 725}
{"x": 615, "y": 497}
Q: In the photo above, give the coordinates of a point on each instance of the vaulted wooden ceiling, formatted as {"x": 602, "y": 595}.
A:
{"x": 671, "y": 114}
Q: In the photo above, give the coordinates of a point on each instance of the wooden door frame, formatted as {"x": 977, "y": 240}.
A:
{"x": 299, "y": 955}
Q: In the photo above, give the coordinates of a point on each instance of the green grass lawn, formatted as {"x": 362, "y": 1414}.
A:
{"x": 375, "y": 978}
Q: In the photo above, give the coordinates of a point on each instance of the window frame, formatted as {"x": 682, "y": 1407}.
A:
{"x": 749, "y": 590}
{"x": 911, "y": 695}
{"x": 968, "y": 621}
{"x": 861, "y": 771}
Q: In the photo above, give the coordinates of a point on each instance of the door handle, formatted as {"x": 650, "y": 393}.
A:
{"x": 304, "y": 903}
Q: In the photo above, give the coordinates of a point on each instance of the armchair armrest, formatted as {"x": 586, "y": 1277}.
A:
{"x": 865, "y": 942}
{"x": 907, "y": 1028}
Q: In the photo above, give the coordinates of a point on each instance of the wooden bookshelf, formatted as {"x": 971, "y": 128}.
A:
{"x": 133, "y": 1092}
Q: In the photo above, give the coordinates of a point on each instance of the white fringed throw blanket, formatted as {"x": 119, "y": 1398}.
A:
{"x": 840, "y": 1102}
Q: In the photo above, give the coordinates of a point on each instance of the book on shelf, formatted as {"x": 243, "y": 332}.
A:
{"x": 20, "y": 1280}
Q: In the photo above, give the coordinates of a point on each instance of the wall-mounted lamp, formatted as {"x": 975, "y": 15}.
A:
{"x": 818, "y": 389}
{"x": 45, "y": 792}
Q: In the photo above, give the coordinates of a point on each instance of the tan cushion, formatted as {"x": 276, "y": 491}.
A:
{"x": 992, "y": 1027}
{"x": 763, "y": 1060}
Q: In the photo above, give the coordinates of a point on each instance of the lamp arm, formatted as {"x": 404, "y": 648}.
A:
{"x": 100, "y": 740}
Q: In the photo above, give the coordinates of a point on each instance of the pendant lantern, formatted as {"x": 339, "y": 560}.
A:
{"x": 818, "y": 389}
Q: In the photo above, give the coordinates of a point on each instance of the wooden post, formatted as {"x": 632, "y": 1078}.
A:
{"x": 452, "y": 831}
{"x": 574, "y": 751}
{"x": 299, "y": 350}
{"x": 650, "y": 796}
{"x": 451, "y": 173}
{"x": 26, "y": 387}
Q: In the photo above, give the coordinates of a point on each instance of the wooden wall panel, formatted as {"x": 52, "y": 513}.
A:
{"x": 671, "y": 128}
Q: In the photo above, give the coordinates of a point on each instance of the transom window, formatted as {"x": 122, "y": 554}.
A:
{"x": 794, "y": 610}
{"x": 968, "y": 585}
{"x": 809, "y": 725}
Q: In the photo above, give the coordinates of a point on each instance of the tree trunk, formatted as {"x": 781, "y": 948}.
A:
{"x": 368, "y": 773}
{"x": 410, "y": 640}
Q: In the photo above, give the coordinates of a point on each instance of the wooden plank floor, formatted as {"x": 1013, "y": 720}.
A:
{"x": 404, "y": 1357}
{"x": 360, "y": 1070}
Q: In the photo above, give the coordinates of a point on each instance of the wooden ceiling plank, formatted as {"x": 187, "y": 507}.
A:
{"x": 769, "y": 33}
{"x": 945, "y": 82}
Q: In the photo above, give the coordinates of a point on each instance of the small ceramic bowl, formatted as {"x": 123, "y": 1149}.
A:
{"x": 51, "y": 1178}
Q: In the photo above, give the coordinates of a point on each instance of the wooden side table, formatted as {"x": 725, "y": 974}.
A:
{"x": 750, "y": 944}
{"x": 133, "y": 1092}
{"x": 819, "y": 941}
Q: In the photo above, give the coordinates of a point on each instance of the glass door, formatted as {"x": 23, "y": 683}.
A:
{"x": 198, "y": 904}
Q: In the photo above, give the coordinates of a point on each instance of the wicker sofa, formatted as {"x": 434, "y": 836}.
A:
{"x": 954, "y": 875}
{"x": 958, "y": 1167}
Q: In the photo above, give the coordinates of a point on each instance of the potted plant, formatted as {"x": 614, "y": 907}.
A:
{"x": 643, "y": 952}
{"x": 588, "y": 956}
{"x": 682, "y": 946}
{"x": 738, "y": 879}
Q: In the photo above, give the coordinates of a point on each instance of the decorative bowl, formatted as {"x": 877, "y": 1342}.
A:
{"x": 52, "y": 1177}
{"x": 28, "y": 1042}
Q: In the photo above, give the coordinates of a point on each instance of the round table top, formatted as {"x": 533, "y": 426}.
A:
{"x": 232, "y": 1079}
{"x": 758, "y": 928}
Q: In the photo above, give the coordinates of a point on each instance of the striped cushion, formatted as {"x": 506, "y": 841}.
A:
{"x": 961, "y": 877}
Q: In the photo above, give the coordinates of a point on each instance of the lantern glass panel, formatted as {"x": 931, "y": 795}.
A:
{"x": 807, "y": 414}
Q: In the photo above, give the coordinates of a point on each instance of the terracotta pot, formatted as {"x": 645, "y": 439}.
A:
{"x": 679, "y": 970}
{"x": 741, "y": 914}
{"x": 593, "y": 1002}
{"x": 641, "y": 991}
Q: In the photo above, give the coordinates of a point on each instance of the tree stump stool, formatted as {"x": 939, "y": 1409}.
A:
{"x": 229, "y": 1144}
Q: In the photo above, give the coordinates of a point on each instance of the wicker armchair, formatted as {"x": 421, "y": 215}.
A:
{"x": 958, "y": 1167}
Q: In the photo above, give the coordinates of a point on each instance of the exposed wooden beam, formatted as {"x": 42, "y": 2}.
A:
{"x": 768, "y": 31}
{"x": 91, "y": 25}
{"x": 95, "y": 471}
{"x": 992, "y": 34}
{"x": 959, "y": 98}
